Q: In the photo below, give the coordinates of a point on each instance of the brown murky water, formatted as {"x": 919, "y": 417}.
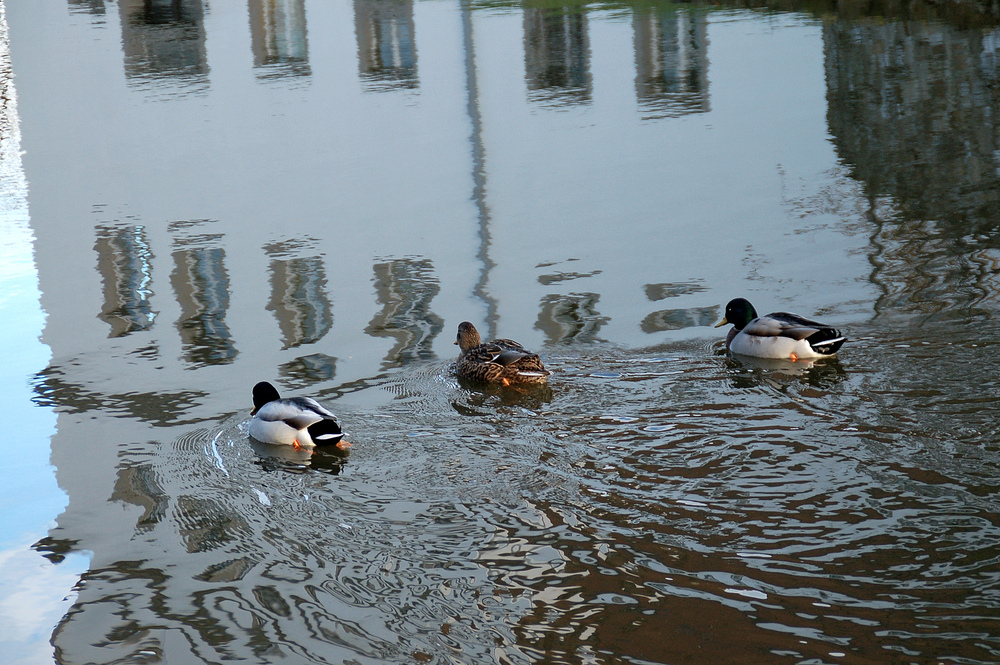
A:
{"x": 320, "y": 199}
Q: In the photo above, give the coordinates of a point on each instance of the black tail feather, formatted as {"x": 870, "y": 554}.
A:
{"x": 326, "y": 432}
{"x": 827, "y": 341}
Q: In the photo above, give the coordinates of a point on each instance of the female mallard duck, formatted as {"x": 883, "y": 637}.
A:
{"x": 498, "y": 361}
{"x": 299, "y": 421}
{"x": 777, "y": 335}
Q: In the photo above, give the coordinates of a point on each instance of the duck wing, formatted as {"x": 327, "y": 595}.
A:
{"x": 297, "y": 412}
{"x": 823, "y": 338}
{"x": 507, "y": 344}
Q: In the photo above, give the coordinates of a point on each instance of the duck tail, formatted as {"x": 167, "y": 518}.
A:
{"x": 326, "y": 432}
{"x": 827, "y": 341}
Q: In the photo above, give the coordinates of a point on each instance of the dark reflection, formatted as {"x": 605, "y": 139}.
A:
{"x": 124, "y": 260}
{"x": 405, "y": 288}
{"x": 201, "y": 286}
{"x": 94, "y": 7}
{"x": 570, "y": 318}
{"x": 305, "y": 371}
{"x": 203, "y": 525}
{"x": 557, "y": 55}
{"x": 912, "y": 110}
{"x": 278, "y": 38}
{"x": 158, "y": 408}
{"x": 666, "y": 290}
{"x": 678, "y": 319}
{"x": 299, "y": 299}
{"x": 55, "y": 549}
{"x": 328, "y": 459}
{"x": 557, "y": 277}
{"x": 164, "y": 40}
{"x": 749, "y": 372}
{"x": 483, "y": 397}
{"x": 137, "y": 484}
{"x": 671, "y": 61}
{"x": 387, "y": 46}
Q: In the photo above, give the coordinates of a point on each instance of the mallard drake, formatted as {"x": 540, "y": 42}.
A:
{"x": 497, "y": 361}
{"x": 777, "y": 335}
{"x": 298, "y": 421}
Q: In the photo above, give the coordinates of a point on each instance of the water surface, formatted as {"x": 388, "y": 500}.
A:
{"x": 318, "y": 193}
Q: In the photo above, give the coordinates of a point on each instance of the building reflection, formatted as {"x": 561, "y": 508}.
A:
{"x": 671, "y": 61}
{"x": 570, "y": 318}
{"x": 124, "y": 260}
{"x": 94, "y": 7}
{"x": 387, "y": 47}
{"x": 308, "y": 370}
{"x": 677, "y": 319}
{"x": 912, "y": 111}
{"x": 164, "y": 40}
{"x": 405, "y": 288}
{"x": 557, "y": 55}
{"x": 201, "y": 286}
{"x": 278, "y": 38}
{"x": 299, "y": 300}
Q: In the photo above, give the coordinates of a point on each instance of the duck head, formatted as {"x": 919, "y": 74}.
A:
{"x": 739, "y": 312}
{"x": 468, "y": 336}
{"x": 263, "y": 393}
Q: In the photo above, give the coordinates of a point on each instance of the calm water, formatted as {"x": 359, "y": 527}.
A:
{"x": 197, "y": 196}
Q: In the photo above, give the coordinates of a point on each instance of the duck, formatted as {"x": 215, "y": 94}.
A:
{"x": 777, "y": 335}
{"x": 502, "y": 361}
{"x": 300, "y": 422}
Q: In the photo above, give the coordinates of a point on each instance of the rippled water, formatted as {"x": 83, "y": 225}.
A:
{"x": 320, "y": 199}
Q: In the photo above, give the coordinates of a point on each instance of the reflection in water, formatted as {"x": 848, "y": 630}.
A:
{"x": 278, "y": 38}
{"x": 912, "y": 109}
{"x": 677, "y": 319}
{"x": 136, "y": 484}
{"x": 124, "y": 260}
{"x": 299, "y": 300}
{"x": 557, "y": 55}
{"x": 201, "y": 286}
{"x": 671, "y": 61}
{"x": 305, "y": 371}
{"x": 387, "y": 46}
{"x": 665, "y": 290}
{"x": 164, "y": 40}
{"x": 570, "y": 318}
{"x": 750, "y": 372}
{"x": 159, "y": 408}
{"x": 95, "y": 7}
{"x": 405, "y": 288}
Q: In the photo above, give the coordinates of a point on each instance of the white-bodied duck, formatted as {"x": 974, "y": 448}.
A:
{"x": 777, "y": 335}
{"x": 298, "y": 421}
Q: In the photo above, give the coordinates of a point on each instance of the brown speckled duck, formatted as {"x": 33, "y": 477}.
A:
{"x": 501, "y": 361}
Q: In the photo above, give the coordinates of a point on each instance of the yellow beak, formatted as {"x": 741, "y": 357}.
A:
{"x": 722, "y": 322}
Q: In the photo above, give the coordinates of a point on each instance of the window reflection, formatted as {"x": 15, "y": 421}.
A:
{"x": 405, "y": 288}
{"x": 557, "y": 55}
{"x": 387, "y": 48}
{"x": 671, "y": 61}
{"x": 124, "y": 260}
{"x": 164, "y": 40}
{"x": 570, "y": 318}
{"x": 278, "y": 38}
{"x": 299, "y": 300}
{"x": 201, "y": 286}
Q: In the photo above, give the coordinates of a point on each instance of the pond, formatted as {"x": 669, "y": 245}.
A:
{"x": 201, "y": 195}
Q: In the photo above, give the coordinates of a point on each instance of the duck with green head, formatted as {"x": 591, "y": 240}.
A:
{"x": 777, "y": 335}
